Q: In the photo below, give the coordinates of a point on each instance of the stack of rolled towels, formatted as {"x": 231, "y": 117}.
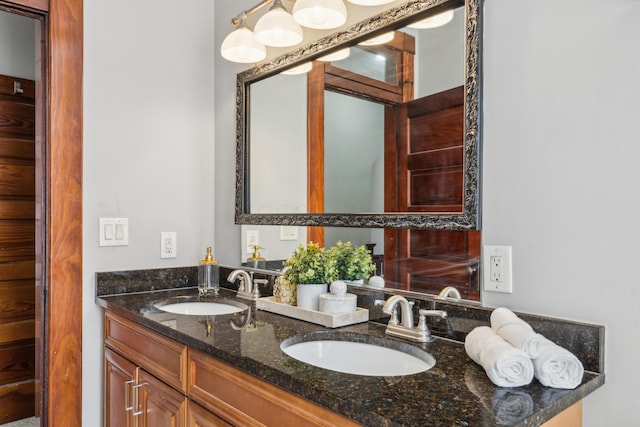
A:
{"x": 512, "y": 353}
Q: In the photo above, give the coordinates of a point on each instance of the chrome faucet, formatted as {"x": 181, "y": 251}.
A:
{"x": 450, "y": 292}
{"x": 406, "y": 330}
{"x": 245, "y": 289}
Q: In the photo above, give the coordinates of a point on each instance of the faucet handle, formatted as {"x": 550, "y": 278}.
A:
{"x": 256, "y": 288}
{"x": 379, "y": 302}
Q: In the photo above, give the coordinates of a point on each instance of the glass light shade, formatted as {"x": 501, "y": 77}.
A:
{"x": 381, "y": 39}
{"x": 320, "y": 14}
{"x": 433, "y": 22}
{"x": 370, "y": 2}
{"x": 277, "y": 28}
{"x": 336, "y": 56}
{"x": 241, "y": 46}
{"x": 300, "y": 69}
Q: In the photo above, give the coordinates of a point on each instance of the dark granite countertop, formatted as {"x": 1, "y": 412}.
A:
{"x": 455, "y": 392}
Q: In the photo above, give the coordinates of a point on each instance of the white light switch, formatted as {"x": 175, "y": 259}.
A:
{"x": 288, "y": 232}
{"x": 114, "y": 231}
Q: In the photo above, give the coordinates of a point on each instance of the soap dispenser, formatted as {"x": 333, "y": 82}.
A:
{"x": 255, "y": 260}
{"x": 208, "y": 275}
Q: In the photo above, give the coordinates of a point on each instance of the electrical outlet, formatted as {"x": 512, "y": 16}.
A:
{"x": 168, "y": 244}
{"x": 253, "y": 238}
{"x": 497, "y": 269}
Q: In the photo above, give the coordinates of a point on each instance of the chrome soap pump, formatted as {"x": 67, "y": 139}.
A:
{"x": 208, "y": 275}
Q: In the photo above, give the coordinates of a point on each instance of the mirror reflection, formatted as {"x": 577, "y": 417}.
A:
{"x": 344, "y": 157}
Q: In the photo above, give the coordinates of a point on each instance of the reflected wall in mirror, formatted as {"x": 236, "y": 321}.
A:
{"x": 429, "y": 268}
{"x": 343, "y": 122}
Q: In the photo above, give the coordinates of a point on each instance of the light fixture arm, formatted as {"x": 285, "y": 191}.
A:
{"x": 249, "y": 12}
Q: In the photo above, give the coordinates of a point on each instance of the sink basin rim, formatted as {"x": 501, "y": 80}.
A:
{"x": 398, "y": 358}
{"x": 195, "y": 306}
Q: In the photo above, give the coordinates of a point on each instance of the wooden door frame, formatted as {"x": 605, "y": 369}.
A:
{"x": 325, "y": 76}
{"x": 58, "y": 207}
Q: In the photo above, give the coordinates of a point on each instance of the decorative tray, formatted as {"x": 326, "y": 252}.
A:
{"x": 319, "y": 318}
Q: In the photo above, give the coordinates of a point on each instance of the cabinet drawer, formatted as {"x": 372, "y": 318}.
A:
{"x": 242, "y": 399}
{"x": 160, "y": 356}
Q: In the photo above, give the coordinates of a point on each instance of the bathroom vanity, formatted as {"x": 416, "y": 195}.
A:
{"x": 173, "y": 369}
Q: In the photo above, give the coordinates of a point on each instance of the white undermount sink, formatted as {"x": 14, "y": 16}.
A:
{"x": 377, "y": 357}
{"x": 193, "y": 306}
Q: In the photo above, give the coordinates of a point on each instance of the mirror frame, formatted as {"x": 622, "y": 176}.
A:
{"x": 393, "y": 18}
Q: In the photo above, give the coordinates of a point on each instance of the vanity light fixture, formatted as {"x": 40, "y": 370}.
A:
{"x": 320, "y": 14}
{"x": 300, "y": 69}
{"x": 434, "y": 21}
{"x": 241, "y": 46}
{"x": 336, "y": 56}
{"x": 278, "y": 28}
{"x": 370, "y": 2}
{"x": 378, "y": 40}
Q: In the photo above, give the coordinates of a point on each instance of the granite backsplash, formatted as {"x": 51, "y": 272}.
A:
{"x": 584, "y": 340}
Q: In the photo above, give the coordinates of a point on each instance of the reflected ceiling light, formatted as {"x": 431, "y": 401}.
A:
{"x": 277, "y": 28}
{"x": 300, "y": 69}
{"x": 320, "y": 14}
{"x": 381, "y": 39}
{"x": 336, "y": 56}
{"x": 370, "y": 2}
{"x": 241, "y": 46}
{"x": 434, "y": 21}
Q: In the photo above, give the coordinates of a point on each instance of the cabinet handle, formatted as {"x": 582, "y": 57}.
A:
{"x": 135, "y": 400}
{"x": 127, "y": 395}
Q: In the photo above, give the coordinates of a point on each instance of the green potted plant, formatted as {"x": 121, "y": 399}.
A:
{"x": 354, "y": 264}
{"x": 311, "y": 269}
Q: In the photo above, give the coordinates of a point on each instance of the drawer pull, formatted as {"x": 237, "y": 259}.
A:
{"x": 127, "y": 395}
{"x": 135, "y": 400}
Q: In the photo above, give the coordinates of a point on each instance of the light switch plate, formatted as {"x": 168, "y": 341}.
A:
{"x": 114, "y": 232}
{"x": 288, "y": 232}
{"x": 496, "y": 265}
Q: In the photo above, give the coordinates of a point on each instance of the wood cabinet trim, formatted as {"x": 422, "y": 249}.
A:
{"x": 167, "y": 361}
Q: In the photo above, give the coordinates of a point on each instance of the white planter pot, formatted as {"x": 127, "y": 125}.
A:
{"x": 309, "y": 295}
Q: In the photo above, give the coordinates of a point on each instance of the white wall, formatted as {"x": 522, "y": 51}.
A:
{"x": 560, "y": 172}
{"x": 148, "y": 145}
{"x": 17, "y": 46}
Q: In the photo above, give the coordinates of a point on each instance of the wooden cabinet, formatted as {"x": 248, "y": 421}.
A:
{"x": 151, "y": 380}
{"x": 245, "y": 400}
{"x": 146, "y": 385}
{"x": 145, "y": 377}
{"x": 197, "y": 416}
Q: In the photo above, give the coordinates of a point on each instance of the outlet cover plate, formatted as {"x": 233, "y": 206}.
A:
{"x": 497, "y": 269}
{"x": 168, "y": 244}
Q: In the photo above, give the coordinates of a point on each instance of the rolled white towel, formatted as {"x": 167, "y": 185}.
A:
{"x": 516, "y": 331}
{"x": 505, "y": 365}
{"x": 557, "y": 367}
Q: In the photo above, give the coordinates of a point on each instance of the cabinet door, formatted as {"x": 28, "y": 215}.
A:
{"x": 157, "y": 404}
{"x": 120, "y": 377}
{"x": 197, "y": 416}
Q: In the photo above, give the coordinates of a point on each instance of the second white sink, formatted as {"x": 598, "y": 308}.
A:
{"x": 360, "y": 358}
